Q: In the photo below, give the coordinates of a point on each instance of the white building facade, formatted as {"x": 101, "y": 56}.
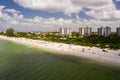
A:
{"x": 101, "y": 31}
{"x": 65, "y": 31}
{"x": 61, "y": 31}
{"x": 118, "y": 31}
{"x": 104, "y": 31}
{"x": 85, "y": 31}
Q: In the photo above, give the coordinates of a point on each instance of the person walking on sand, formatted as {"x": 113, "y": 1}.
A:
{"x": 70, "y": 46}
{"x": 83, "y": 49}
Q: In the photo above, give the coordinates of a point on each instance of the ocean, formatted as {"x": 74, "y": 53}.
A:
{"x": 21, "y": 62}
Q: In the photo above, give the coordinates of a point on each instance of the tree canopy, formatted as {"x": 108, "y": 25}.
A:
{"x": 10, "y": 32}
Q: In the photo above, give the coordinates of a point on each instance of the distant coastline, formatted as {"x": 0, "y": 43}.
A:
{"x": 93, "y": 53}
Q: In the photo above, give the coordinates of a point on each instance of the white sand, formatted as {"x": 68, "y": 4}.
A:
{"x": 112, "y": 56}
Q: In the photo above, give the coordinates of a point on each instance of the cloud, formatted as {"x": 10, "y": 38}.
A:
{"x": 90, "y": 3}
{"x": 67, "y": 7}
{"x": 106, "y": 12}
{"x": 105, "y": 15}
{"x": 11, "y": 11}
{"x": 1, "y": 7}
{"x": 19, "y": 23}
{"x": 98, "y": 9}
{"x": 117, "y": 0}
{"x": 52, "y": 6}
{"x": 103, "y": 12}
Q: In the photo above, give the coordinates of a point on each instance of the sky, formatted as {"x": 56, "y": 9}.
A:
{"x": 50, "y": 15}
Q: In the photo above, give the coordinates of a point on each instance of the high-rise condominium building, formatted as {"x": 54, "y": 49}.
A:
{"x": 61, "y": 31}
{"x": 85, "y": 31}
{"x": 65, "y": 31}
{"x": 118, "y": 31}
{"x": 104, "y": 31}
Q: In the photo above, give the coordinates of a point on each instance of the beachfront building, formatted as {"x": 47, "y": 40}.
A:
{"x": 47, "y": 33}
{"x": 37, "y": 32}
{"x": 85, "y": 31}
{"x": 118, "y": 31}
{"x": 61, "y": 31}
{"x": 65, "y": 31}
{"x": 104, "y": 31}
{"x": 101, "y": 31}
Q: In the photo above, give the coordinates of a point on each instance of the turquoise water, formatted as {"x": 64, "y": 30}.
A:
{"x": 19, "y": 62}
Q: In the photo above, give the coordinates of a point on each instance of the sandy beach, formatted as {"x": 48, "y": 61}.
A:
{"x": 93, "y": 53}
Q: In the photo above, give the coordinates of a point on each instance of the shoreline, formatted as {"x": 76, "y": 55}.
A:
{"x": 93, "y": 53}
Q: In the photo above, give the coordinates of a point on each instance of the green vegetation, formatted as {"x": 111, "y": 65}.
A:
{"x": 1, "y": 33}
{"x": 18, "y": 62}
{"x": 10, "y": 32}
{"x": 112, "y": 41}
